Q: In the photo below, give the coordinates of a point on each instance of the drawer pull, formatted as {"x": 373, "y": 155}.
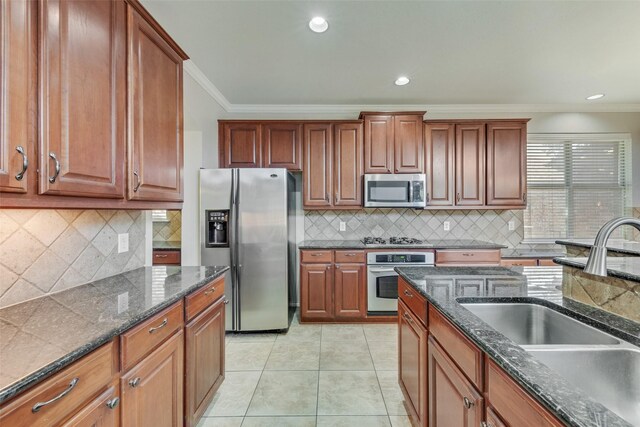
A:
{"x": 316, "y": 254}
{"x": 468, "y": 254}
{"x": 134, "y": 382}
{"x": 407, "y": 318}
{"x": 407, "y": 293}
{"x": 25, "y": 163}
{"x": 210, "y": 291}
{"x": 111, "y": 404}
{"x": 349, "y": 254}
{"x": 467, "y": 403}
{"x": 66, "y": 391}
{"x": 160, "y": 326}
{"x": 160, "y": 255}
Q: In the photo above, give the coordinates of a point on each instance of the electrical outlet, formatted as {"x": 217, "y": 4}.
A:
{"x": 447, "y": 226}
{"x": 123, "y": 243}
{"x": 512, "y": 225}
{"x": 343, "y": 226}
{"x": 123, "y": 302}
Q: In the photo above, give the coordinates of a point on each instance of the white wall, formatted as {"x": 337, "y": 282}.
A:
{"x": 190, "y": 214}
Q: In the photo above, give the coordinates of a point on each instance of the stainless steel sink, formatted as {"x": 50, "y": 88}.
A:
{"x": 610, "y": 376}
{"x": 532, "y": 324}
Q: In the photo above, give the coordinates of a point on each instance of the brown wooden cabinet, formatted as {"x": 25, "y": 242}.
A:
{"x": 408, "y": 148}
{"x": 152, "y": 391}
{"x": 350, "y": 291}
{"x": 470, "y": 164}
{"x": 103, "y": 411}
{"x": 378, "y": 143}
{"x": 347, "y": 171}
{"x": 240, "y": 145}
{"x": 493, "y": 420}
{"x": 506, "y": 163}
{"x": 282, "y": 145}
{"x": 317, "y": 178}
{"x": 155, "y": 163}
{"x": 316, "y": 291}
{"x": 204, "y": 368}
{"x": 412, "y": 364}
{"x": 83, "y": 96}
{"x": 164, "y": 257}
{"x": 453, "y": 401}
{"x": 439, "y": 149}
{"x": 17, "y": 97}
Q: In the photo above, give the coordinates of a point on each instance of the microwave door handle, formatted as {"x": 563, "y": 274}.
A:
{"x": 411, "y": 191}
{"x": 382, "y": 270}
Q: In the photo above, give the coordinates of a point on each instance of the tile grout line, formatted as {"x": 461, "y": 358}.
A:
{"x": 377, "y": 378}
{"x": 257, "y": 384}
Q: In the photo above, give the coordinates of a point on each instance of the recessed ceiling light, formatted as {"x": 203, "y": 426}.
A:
{"x": 318, "y": 24}
{"x": 596, "y": 96}
{"x": 401, "y": 81}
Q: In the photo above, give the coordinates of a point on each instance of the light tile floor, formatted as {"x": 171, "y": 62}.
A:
{"x": 314, "y": 375}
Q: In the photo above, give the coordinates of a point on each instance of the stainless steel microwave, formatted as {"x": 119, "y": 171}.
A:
{"x": 394, "y": 191}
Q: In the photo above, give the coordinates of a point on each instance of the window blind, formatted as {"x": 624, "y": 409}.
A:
{"x": 159, "y": 215}
{"x": 575, "y": 184}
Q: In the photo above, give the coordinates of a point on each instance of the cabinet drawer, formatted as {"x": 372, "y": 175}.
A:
{"x": 204, "y": 297}
{"x": 316, "y": 256}
{"x": 518, "y": 262}
{"x": 141, "y": 340}
{"x": 547, "y": 262}
{"x": 350, "y": 256}
{"x": 166, "y": 257}
{"x": 462, "y": 351}
{"x": 416, "y": 302}
{"x": 512, "y": 403}
{"x": 463, "y": 257}
{"x": 60, "y": 396}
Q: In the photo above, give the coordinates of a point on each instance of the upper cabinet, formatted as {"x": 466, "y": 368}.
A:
{"x": 439, "y": 147}
{"x": 82, "y": 97}
{"x": 470, "y": 164}
{"x": 317, "y": 175}
{"x": 506, "y": 163}
{"x": 155, "y": 114}
{"x": 17, "y": 97}
{"x": 282, "y": 145}
{"x": 393, "y": 142}
{"x": 240, "y": 145}
{"x": 347, "y": 164}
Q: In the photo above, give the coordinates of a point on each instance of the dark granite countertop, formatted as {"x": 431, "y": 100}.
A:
{"x": 626, "y": 268}
{"x": 161, "y": 245}
{"x": 530, "y": 253}
{"x": 628, "y": 247}
{"x": 427, "y": 244}
{"x": 539, "y": 285}
{"x": 42, "y": 336}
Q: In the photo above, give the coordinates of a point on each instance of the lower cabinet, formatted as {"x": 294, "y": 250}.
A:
{"x": 350, "y": 291}
{"x": 493, "y": 420}
{"x": 316, "y": 291}
{"x": 205, "y": 360}
{"x": 103, "y": 411}
{"x": 453, "y": 401}
{"x": 412, "y": 364}
{"x": 152, "y": 391}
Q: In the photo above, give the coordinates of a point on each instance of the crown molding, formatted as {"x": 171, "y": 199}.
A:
{"x": 216, "y": 94}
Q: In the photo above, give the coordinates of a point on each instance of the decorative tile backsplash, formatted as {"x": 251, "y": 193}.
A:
{"x": 170, "y": 230}
{"x": 492, "y": 226}
{"x": 635, "y": 233}
{"x": 44, "y": 251}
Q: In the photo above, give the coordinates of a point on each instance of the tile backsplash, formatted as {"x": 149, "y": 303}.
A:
{"x": 44, "y": 251}
{"x": 170, "y": 230}
{"x": 486, "y": 225}
{"x": 635, "y": 233}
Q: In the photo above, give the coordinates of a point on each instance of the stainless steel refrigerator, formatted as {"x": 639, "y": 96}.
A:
{"x": 247, "y": 221}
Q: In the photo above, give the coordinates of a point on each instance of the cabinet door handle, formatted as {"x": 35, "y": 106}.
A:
{"x": 210, "y": 291}
{"x": 160, "y": 326}
{"x": 53, "y": 178}
{"x": 524, "y": 198}
{"x": 407, "y": 318}
{"x": 66, "y": 391}
{"x": 467, "y": 403}
{"x": 458, "y": 197}
{"x": 407, "y": 293}
{"x": 111, "y": 404}
{"x": 133, "y": 383}
{"x": 25, "y": 163}
{"x": 427, "y": 199}
{"x": 226, "y": 301}
{"x": 137, "y": 180}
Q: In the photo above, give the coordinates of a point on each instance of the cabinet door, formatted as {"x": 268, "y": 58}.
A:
{"x": 452, "y": 399}
{"x": 470, "y": 162}
{"x": 317, "y": 170}
{"x": 17, "y": 77}
{"x": 378, "y": 144}
{"x": 408, "y": 137}
{"x": 205, "y": 360}
{"x": 152, "y": 390}
{"x": 347, "y": 179}
{"x": 103, "y": 411}
{"x": 282, "y": 144}
{"x": 350, "y": 291}
{"x": 155, "y": 115}
{"x": 440, "y": 163}
{"x": 506, "y": 164}
{"x": 83, "y": 95}
{"x": 412, "y": 371}
{"x": 241, "y": 145}
{"x": 493, "y": 420}
{"x": 316, "y": 291}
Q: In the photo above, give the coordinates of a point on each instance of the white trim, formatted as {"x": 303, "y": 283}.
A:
{"x": 192, "y": 69}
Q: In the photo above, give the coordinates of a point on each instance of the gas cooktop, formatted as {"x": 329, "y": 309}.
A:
{"x": 391, "y": 241}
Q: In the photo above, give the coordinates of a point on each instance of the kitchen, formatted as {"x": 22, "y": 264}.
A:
{"x": 232, "y": 218}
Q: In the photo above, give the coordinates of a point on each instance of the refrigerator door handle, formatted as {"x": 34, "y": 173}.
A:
{"x": 235, "y": 246}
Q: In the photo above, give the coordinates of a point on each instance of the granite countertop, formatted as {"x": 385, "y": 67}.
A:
{"x": 530, "y": 253}
{"x": 626, "y": 268}
{"x": 163, "y": 245}
{"x": 628, "y": 247}
{"x": 526, "y": 284}
{"x": 427, "y": 244}
{"x": 42, "y": 336}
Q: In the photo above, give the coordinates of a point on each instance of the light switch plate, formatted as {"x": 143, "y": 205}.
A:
{"x": 447, "y": 226}
{"x": 123, "y": 302}
{"x": 343, "y": 226}
{"x": 512, "y": 225}
{"x": 123, "y": 243}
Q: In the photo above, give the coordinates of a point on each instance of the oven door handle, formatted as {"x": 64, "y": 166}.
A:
{"x": 382, "y": 270}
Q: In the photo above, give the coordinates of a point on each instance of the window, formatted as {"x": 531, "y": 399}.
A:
{"x": 576, "y": 183}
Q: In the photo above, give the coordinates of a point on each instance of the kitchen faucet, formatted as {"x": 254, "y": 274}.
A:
{"x": 597, "y": 261}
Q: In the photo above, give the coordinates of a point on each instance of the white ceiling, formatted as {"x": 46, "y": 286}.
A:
{"x": 455, "y": 52}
